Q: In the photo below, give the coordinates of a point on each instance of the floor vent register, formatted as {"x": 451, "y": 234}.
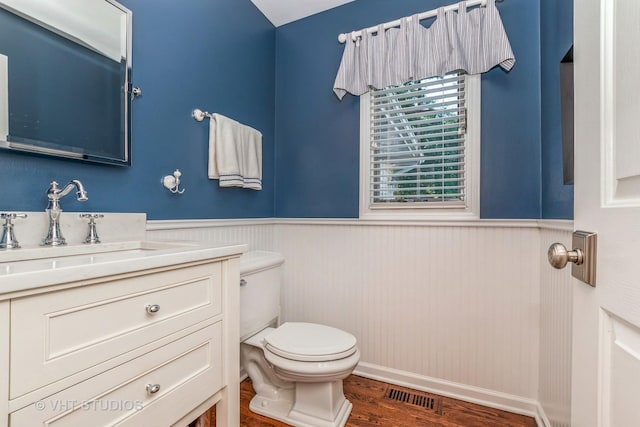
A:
{"x": 424, "y": 400}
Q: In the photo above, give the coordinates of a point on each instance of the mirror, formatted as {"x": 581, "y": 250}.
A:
{"x": 65, "y": 70}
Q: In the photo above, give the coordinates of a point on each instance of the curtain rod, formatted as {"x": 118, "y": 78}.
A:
{"x": 424, "y": 15}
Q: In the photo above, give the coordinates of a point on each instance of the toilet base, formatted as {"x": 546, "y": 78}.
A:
{"x": 282, "y": 410}
{"x": 308, "y": 394}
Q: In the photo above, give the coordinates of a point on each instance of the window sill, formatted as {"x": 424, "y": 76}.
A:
{"x": 447, "y": 215}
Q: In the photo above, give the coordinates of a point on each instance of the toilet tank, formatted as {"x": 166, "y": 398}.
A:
{"x": 260, "y": 279}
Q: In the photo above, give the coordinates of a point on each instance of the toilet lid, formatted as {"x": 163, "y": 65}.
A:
{"x": 310, "y": 342}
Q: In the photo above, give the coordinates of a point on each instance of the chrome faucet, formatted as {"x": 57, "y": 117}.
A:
{"x": 54, "y": 194}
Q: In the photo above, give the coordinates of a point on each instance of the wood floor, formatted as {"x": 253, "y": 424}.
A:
{"x": 372, "y": 409}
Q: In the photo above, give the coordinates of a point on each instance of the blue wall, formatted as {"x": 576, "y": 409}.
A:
{"x": 224, "y": 56}
{"x": 318, "y": 154}
{"x": 556, "y": 38}
{"x": 214, "y": 55}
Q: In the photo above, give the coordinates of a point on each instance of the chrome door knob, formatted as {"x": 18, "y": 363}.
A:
{"x": 559, "y": 256}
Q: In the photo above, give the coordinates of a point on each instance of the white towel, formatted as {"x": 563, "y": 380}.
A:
{"x": 235, "y": 153}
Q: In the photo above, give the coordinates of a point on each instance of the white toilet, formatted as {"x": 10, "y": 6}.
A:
{"x": 297, "y": 368}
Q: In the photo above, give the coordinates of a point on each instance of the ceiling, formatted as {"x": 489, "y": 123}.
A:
{"x": 281, "y": 12}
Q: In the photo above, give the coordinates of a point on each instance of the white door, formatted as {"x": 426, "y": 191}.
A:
{"x": 606, "y": 319}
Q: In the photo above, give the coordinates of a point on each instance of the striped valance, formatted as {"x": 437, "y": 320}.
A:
{"x": 473, "y": 41}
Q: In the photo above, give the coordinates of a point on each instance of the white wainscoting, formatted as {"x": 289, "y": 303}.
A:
{"x": 459, "y": 304}
{"x": 257, "y": 233}
{"x": 555, "y": 329}
{"x": 469, "y": 310}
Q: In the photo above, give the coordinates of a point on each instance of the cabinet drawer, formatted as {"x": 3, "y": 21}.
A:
{"x": 188, "y": 371}
{"x": 61, "y": 333}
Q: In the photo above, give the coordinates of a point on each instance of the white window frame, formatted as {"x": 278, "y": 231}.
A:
{"x": 471, "y": 207}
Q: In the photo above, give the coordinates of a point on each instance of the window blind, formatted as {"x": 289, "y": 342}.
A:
{"x": 417, "y": 146}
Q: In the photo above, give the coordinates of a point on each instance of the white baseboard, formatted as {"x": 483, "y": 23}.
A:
{"x": 467, "y": 393}
{"x": 541, "y": 416}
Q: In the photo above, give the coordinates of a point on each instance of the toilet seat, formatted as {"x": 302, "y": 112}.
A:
{"x": 310, "y": 342}
{"x": 299, "y": 371}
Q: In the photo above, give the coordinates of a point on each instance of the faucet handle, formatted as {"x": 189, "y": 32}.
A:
{"x": 92, "y": 236}
{"x": 11, "y": 215}
{"x": 8, "y": 239}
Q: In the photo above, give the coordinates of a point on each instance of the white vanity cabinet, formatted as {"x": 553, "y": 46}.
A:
{"x": 151, "y": 347}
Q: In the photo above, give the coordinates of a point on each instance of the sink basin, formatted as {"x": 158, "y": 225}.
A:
{"x": 122, "y": 248}
{"x": 39, "y": 266}
{"x": 50, "y": 258}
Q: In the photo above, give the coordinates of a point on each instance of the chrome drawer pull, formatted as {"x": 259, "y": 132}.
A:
{"x": 153, "y": 388}
{"x": 151, "y": 309}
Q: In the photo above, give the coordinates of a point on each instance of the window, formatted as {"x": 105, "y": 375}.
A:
{"x": 420, "y": 149}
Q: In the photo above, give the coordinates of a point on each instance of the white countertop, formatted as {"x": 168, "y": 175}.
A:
{"x": 31, "y": 268}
